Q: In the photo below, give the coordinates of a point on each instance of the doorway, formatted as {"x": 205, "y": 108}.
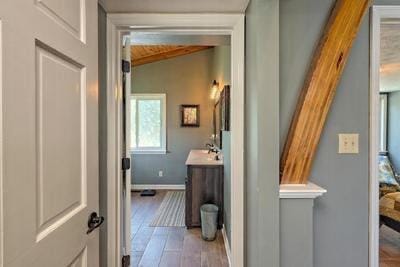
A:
{"x": 188, "y": 24}
{"x": 179, "y": 94}
{"x": 385, "y": 137}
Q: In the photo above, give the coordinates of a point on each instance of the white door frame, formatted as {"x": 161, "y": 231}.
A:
{"x": 1, "y": 149}
{"x": 230, "y": 24}
{"x": 378, "y": 13}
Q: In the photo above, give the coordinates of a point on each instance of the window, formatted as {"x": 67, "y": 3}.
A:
{"x": 383, "y": 122}
{"x": 148, "y": 123}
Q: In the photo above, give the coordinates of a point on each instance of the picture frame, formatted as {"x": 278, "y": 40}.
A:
{"x": 225, "y": 108}
{"x": 190, "y": 115}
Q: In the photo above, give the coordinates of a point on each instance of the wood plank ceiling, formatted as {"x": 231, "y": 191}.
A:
{"x": 144, "y": 54}
{"x": 319, "y": 90}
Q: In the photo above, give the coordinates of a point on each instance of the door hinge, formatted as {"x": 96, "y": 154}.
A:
{"x": 126, "y": 66}
{"x": 126, "y": 164}
{"x": 126, "y": 261}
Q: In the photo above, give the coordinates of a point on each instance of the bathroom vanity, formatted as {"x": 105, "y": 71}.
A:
{"x": 204, "y": 185}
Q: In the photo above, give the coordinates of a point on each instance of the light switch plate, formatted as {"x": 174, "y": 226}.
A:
{"x": 348, "y": 143}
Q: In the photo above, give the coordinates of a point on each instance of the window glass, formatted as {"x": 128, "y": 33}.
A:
{"x": 148, "y": 128}
{"x": 149, "y": 132}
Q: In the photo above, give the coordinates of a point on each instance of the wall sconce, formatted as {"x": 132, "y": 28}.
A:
{"x": 215, "y": 90}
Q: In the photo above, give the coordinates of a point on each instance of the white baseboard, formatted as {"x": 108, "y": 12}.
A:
{"x": 226, "y": 243}
{"x": 158, "y": 186}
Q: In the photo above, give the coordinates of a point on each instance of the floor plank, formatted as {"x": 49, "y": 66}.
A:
{"x": 154, "y": 251}
{"x": 135, "y": 258}
{"x": 169, "y": 246}
{"x": 170, "y": 259}
{"x": 191, "y": 252}
{"x": 389, "y": 247}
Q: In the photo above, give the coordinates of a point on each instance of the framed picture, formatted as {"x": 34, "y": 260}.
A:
{"x": 225, "y": 99}
{"x": 190, "y": 115}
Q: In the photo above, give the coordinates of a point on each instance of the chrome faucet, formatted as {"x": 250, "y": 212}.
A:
{"x": 214, "y": 149}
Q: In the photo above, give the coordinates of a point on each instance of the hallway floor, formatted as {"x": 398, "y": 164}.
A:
{"x": 389, "y": 247}
{"x": 169, "y": 246}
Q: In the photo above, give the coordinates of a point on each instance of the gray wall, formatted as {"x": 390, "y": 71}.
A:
{"x": 185, "y": 80}
{"x": 222, "y": 73}
{"x": 341, "y": 215}
{"x": 394, "y": 128}
{"x": 296, "y": 230}
{"x": 262, "y": 134}
{"x": 102, "y": 24}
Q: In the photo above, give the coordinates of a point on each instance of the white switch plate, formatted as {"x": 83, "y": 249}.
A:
{"x": 348, "y": 144}
{"x": 160, "y": 174}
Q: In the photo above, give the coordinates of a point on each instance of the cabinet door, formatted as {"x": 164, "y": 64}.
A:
{"x": 204, "y": 186}
{"x": 188, "y": 197}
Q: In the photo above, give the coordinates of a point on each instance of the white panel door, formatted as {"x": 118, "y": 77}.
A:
{"x": 49, "y": 133}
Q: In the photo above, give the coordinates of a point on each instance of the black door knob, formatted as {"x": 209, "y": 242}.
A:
{"x": 94, "y": 222}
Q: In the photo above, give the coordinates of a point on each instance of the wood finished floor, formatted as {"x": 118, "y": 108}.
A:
{"x": 389, "y": 247}
{"x": 169, "y": 246}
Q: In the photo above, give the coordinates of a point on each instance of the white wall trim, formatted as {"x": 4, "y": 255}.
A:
{"x": 113, "y": 174}
{"x": 158, "y": 186}
{"x": 1, "y": 151}
{"x": 226, "y": 243}
{"x": 229, "y": 24}
{"x": 378, "y": 12}
{"x": 309, "y": 190}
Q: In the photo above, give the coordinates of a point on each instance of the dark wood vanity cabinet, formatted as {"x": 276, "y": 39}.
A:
{"x": 204, "y": 185}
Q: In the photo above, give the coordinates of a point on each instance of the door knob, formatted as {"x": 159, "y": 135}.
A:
{"x": 94, "y": 222}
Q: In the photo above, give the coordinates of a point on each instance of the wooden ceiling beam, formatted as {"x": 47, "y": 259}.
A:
{"x": 319, "y": 90}
{"x": 168, "y": 53}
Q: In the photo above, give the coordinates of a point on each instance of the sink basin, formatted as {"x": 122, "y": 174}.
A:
{"x": 202, "y": 157}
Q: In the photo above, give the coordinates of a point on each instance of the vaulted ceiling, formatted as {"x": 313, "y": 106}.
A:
{"x": 144, "y": 54}
{"x": 175, "y": 6}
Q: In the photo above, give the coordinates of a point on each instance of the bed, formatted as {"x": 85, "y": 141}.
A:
{"x": 389, "y": 190}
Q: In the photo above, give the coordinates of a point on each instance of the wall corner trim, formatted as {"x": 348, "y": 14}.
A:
{"x": 227, "y": 245}
{"x": 309, "y": 190}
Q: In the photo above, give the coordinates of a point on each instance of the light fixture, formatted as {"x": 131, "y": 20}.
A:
{"x": 214, "y": 90}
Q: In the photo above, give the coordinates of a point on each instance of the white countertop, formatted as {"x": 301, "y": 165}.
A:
{"x": 308, "y": 190}
{"x": 202, "y": 157}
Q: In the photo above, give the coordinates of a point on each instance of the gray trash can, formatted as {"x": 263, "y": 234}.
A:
{"x": 209, "y": 216}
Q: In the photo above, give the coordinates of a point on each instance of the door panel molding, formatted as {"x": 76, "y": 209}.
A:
{"x": 52, "y": 215}
{"x": 78, "y": 27}
{"x": 80, "y": 260}
{"x": 68, "y": 201}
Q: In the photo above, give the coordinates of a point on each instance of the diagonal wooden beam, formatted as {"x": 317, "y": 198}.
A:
{"x": 319, "y": 89}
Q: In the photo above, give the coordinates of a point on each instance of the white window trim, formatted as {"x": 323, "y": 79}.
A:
{"x": 163, "y": 148}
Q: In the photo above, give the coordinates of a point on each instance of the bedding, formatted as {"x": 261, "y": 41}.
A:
{"x": 386, "y": 173}
{"x": 389, "y": 188}
{"x": 389, "y": 206}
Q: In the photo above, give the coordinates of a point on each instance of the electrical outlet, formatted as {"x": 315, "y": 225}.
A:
{"x": 160, "y": 174}
{"x": 348, "y": 144}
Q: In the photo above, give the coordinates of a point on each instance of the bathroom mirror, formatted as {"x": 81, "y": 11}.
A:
{"x": 217, "y": 124}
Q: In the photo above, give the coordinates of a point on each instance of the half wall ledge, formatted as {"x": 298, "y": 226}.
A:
{"x": 309, "y": 190}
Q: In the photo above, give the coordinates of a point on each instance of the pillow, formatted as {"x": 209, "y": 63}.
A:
{"x": 386, "y": 173}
